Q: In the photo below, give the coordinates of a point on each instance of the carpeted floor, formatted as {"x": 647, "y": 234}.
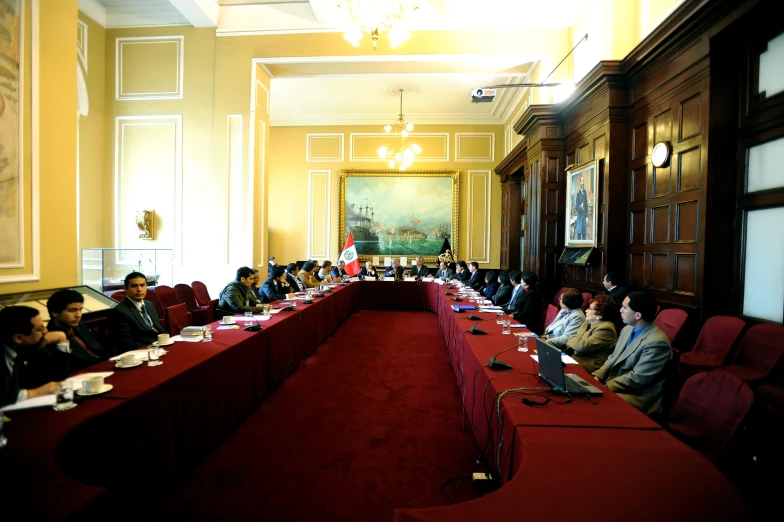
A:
{"x": 371, "y": 423}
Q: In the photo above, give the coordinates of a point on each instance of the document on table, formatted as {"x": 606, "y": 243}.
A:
{"x": 255, "y": 317}
{"x": 140, "y": 354}
{"x": 37, "y": 402}
{"x": 564, "y": 359}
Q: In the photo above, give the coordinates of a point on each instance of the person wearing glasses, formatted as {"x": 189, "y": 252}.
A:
{"x": 595, "y": 340}
{"x": 32, "y": 364}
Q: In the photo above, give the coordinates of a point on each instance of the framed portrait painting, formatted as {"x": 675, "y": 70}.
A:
{"x": 399, "y": 214}
{"x": 581, "y": 204}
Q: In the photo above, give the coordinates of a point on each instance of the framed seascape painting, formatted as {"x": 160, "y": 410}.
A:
{"x": 581, "y": 204}
{"x": 392, "y": 214}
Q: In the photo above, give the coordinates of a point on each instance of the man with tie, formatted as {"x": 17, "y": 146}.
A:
{"x": 291, "y": 276}
{"x": 515, "y": 277}
{"x": 444, "y": 272}
{"x": 32, "y": 364}
{"x": 419, "y": 270}
{"x": 65, "y": 312}
{"x": 474, "y": 281}
{"x": 395, "y": 270}
{"x": 339, "y": 271}
{"x": 368, "y": 271}
{"x": 134, "y": 322}
{"x": 636, "y": 369}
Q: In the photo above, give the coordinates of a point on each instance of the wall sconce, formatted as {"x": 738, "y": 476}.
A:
{"x": 145, "y": 220}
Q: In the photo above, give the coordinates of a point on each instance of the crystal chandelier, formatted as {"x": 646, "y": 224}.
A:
{"x": 377, "y": 16}
{"x": 402, "y": 157}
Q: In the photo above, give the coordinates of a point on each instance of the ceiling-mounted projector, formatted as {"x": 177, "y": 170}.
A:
{"x": 482, "y": 95}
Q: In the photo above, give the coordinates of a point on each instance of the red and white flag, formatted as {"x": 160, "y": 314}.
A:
{"x": 350, "y": 257}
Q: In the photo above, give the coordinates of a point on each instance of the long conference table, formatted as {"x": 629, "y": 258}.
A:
{"x": 596, "y": 460}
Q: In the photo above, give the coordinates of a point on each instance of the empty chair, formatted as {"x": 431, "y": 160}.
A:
{"x": 119, "y": 295}
{"x": 166, "y": 296}
{"x": 556, "y": 302}
{"x": 709, "y": 411}
{"x": 586, "y": 301}
{"x": 177, "y": 318}
{"x": 670, "y": 321}
{"x": 200, "y": 293}
{"x": 552, "y": 312}
{"x": 716, "y": 339}
{"x": 760, "y": 350}
{"x": 199, "y": 315}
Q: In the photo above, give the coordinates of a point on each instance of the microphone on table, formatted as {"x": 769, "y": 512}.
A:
{"x": 495, "y": 364}
{"x": 474, "y": 330}
{"x": 456, "y": 299}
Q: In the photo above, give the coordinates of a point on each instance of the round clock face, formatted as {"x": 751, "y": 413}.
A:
{"x": 660, "y": 154}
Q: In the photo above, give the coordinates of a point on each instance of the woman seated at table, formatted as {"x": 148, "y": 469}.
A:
{"x": 595, "y": 340}
{"x": 276, "y": 287}
{"x": 491, "y": 285}
{"x": 504, "y": 292}
{"x": 568, "y": 320}
{"x": 307, "y": 275}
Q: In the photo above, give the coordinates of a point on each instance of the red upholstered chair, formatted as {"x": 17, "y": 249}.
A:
{"x": 587, "y": 297}
{"x": 200, "y": 293}
{"x": 177, "y": 318}
{"x": 670, "y": 321}
{"x": 556, "y": 302}
{"x": 759, "y": 352}
{"x": 166, "y": 296}
{"x": 716, "y": 339}
{"x": 119, "y": 295}
{"x": 552, "y": 312}
{"x": 199, "y": 315}
{"x": 153, "y": 298}
{"x": 710, "y": 409}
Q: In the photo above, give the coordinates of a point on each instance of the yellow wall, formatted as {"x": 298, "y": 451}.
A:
{"x": 288, "y": 227}
{"x": 94, "y": 182}
{"x": 57, "y": 147}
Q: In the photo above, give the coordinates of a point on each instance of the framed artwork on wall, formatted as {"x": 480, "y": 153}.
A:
{"x": 581, "y": 204}
{"x": 399, "y": 214}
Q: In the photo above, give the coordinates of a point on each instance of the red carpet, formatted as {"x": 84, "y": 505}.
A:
{"x": 369, "y": 424}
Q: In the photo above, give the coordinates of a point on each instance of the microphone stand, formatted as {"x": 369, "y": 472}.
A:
{"x": 495, "y": 364}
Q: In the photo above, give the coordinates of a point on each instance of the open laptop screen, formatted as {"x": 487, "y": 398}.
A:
{"x": 550, "y": 365}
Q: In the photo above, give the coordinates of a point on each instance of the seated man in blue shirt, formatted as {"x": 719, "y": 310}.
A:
{"x": 636, "y": 368}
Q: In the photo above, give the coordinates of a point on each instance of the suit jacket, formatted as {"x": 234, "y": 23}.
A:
{"x": 308, "y": 279}
{"x": 81, "y": 358}
{"x": 363, "y": 273}
{"x": 34, "y": 366}
{"x": 128, "y": 329}
{"x": 636, "y": 369}
{"x": 592, "y": 344}
{"x": 475, "y": 281}
{"x": 392, "y": 271}
{"x": 514, "y": 297}
{"x": 338, "y": 273}
{"x": 295, "y": 283}
{"x": 234, "y": 296}
{"x": 420, "y": 272}
{"x": 502, "y": 295}
{"x": 274, "y": 291}
{"x": 446, "y": 275}
{"x": 564, "y": 327}
{"x": 528, "y": 309}
{"x": 490, "y": 290}
{"x": 618, "y": 294}
{"x": 463, "y": 276}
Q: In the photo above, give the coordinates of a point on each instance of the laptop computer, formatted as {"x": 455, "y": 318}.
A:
{"x": 551, "y": 370}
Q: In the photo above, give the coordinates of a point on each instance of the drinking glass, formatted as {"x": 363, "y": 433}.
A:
{"x": 522, "y": 343}
{"x": 248, "y": 317}
{"x": 265, "y": 309}
{"x": 507, "y": 330}
{"x": 63, "y": 397}
{"x": 207, "y": 333}
{"x": 154, "y": 356}
{"x": 499, "y": 318}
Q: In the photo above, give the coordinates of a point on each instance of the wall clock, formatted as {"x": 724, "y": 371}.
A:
{"x": 661, "y": 154}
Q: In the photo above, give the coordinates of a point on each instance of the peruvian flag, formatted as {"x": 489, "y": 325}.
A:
{"x": 350, "y": 257}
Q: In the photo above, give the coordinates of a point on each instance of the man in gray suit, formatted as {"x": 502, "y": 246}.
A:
{"x": 444, "y": 272}
{"x": 636, "y": 368}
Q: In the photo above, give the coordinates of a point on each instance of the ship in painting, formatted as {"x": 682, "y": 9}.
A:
{"x": 442, "y": 231}
{"x": 362, "y": 223}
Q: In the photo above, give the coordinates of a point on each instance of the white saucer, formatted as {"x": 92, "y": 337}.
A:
{"x": 106, "y": 388}
{"x": 134, "y": 365}
{"x": 167, "y": 344}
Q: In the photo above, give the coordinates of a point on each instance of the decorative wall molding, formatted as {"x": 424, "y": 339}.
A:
{"x": 319, "y": 190}
{"x": 81, "y": 43}
{"x": 95, "y": 10}
{"x": 381, "y": 119}
{"x": 177, "y": 93}
{"x": 234, "y": 189}
{"x": 412, "y": 137}
{"x": 479, "y": 201}
{"x": 266, "y": 106}
{"x": 310, "y": 158}
{"x": 490, "y": 136}
{"x": 508, "y": 140}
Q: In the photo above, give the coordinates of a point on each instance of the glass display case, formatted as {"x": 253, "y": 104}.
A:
{"x": 106, "y": 268}
{"x": 94, "y": 301}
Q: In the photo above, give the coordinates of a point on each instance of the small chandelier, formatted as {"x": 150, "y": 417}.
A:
{"x": 402, "y": 157}
{"x": 377, "y": 16}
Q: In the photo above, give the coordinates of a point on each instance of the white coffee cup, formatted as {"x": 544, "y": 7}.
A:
{"x": 163, "y": 339}
{"x": 128, "y": 359}
{"x": 227, "y": 319}
{"x": 93, "y": 384}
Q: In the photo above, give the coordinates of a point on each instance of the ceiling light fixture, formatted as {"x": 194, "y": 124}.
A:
{"x": 375, "y": 17}
{"x": 402, "y": 157}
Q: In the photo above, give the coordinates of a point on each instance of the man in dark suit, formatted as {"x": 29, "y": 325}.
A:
{"x": 368, "y": 271}
{"x": 419, "y": 270}
{"x": 462, "y": 273}
{"x": 339, "y": 271}
{"x": 474, "y": 281}
{"x": 65, "y": 310}
{"x": 134, "y": 322}
{"x": 612, "y": 284}
{"x": 444, "y": 272}
{"x": 395, "y": 270}
{"x": 32, "y": 364}
{"x": 528, "y": 305}
{"x": 291, "y": 276}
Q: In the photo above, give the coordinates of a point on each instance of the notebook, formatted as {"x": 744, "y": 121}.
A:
{"x": 551, "y": 370}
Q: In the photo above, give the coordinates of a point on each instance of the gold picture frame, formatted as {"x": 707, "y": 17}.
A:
{"x": 394, "y": 213}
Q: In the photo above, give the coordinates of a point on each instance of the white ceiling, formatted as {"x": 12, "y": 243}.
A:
{"x": 438, "y": 86}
